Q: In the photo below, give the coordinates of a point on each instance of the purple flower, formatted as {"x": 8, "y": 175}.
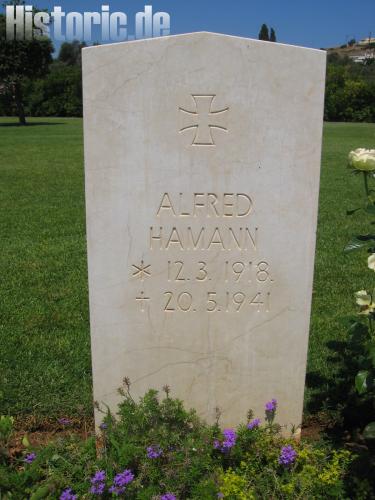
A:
{"x": 98, "y": 477}
{"x": 287, "y": 455}
{"x": 271, "y": 405}
{"x": 168, "y": 496}
{"x": 64, "y": 421}
{"x": 154, "y": 451}
{"x": 29, "y": 459}
{"x": 253, "y": 424}
{"x": 123, "y": 478}
{"x": 98, "y": 483}
{"x": 229, "y": 441}
{"x": 103, "y": 426}
{"x": 120, "y": 481}
{"x": 68, "y": 495}
{"x": 230, "y": 438}
{"x": 220, "y": 495}
{"x": 97, "y": 489}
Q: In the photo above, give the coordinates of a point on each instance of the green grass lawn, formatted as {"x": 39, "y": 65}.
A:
{"x": 44, "y": 327}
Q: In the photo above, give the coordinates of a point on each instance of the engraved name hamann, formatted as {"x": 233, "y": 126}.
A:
{"x": 227, "y": 238}
{"x": 206, "y": 204}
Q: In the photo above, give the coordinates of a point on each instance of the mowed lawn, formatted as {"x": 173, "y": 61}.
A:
{"x": 44, "y": 327}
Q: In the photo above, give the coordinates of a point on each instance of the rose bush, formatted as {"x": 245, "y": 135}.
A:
{"x": 363, "y": 161}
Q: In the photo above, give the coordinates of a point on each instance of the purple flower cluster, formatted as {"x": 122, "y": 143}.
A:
{"x": 168, "y": 496}
{"x": 271, "y": 405}
{"x": 29, "y": 459}
{"x": 254, "y": 424}
{"x": 154, "y": 451}
{"x": 103, "y": 426}
{"x": 228, "y": 442}
{"x": 230, "y": 438}
{"x": 98, "y": 483}
{"x": 287, "y": 455}
{"x": 120, "y": 481}
{"x": 68, "y": 495}
{"x": 270, "y": 408}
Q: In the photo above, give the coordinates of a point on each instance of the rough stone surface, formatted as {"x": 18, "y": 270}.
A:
{"x": 202, "y": 159}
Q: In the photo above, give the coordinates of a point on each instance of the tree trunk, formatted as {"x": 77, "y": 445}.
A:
{"x": 19, "y": 104}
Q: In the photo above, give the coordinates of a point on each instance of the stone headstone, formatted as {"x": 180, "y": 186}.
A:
{"x": 202, "y": 158}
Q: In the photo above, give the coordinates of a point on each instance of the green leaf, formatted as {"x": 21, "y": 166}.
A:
{"x": 354, "y": 244}
{"x": 361, "y": 381}
{"x": 370, "y": 209}
{"x": 42, "y": 492}
{"x": 360, "y": 241}
{"x": 115, "y": 443}
{"x": 366, "y": 237}
{"x": 351, "y": 212}
{"x": 369, "y": 431}
{"x": 354, "y": 327}
{"x": 25, "y": 441}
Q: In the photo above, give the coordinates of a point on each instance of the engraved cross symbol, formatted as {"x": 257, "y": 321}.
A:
{"x": 203, "y": 119}
{"x": 142, "y": 299}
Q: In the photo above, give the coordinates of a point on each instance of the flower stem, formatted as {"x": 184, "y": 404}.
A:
{"x": 365, "y": 178}
{"x": 371, "y": 323}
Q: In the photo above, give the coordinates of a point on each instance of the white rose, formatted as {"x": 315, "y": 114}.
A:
{"x": 362, "y": 159}
{"x": 362, "y": 298}
{"x": 371, "y": 262}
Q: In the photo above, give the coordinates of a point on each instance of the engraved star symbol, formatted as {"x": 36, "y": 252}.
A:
{"x": 141, "y": 271}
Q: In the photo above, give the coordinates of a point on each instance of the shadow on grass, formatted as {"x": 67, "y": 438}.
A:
{"x": 29, "y": 124}
{"x": 336, "y": 394}
{"x": 348, "y": 413}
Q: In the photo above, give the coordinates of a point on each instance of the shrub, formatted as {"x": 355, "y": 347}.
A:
{"x": 156, "y": 449}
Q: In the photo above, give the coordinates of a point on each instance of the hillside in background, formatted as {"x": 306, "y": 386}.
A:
{"x": 361, "y": 51}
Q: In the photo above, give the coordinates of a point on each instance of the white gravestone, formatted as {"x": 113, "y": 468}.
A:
{"x": 202, "y": 158}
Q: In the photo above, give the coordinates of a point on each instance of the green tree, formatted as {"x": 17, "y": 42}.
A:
{"x": 350, "y": 90}
{"x": 272, "y": 35}
{"x": 70, "y": 53}
{"x": 20, "y": 62}
{"x": 264, "y": 33}
{"x": 59, "y": 93}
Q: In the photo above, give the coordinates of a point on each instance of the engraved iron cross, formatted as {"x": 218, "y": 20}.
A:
{"x": 203, "y": 120}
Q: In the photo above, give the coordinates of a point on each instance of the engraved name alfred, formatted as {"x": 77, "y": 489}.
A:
{"x": 209, "y": 206}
